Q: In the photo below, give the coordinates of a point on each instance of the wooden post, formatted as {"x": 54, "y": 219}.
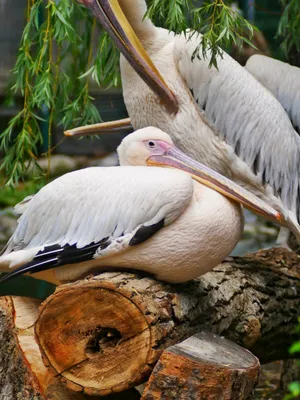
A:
{"x": 204, "y": 366}
{"x": 104, "y": 334}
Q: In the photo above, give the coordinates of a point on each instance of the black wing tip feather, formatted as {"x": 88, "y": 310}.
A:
{"x": 36, "y": 265}
{"x": 145, "y": 232}
{"x": 55, "y": 256}
{"x": 8, "y": 276}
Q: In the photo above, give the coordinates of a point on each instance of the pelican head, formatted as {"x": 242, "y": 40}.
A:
{"x": 111, "y": 16}
{"x": 139, "y": 146}
{"x": 153, "y": 147}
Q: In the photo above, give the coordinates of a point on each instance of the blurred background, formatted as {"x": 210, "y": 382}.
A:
{"x": 70, "y": 154}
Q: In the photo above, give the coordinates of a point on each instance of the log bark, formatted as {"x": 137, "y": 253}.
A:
{"x": 104, "y": 334}
{"x": 17, "y": 379}
{"x": 22, "y": 372}
{"x": 204, "y": 366}
{"x": 290, "y": 372}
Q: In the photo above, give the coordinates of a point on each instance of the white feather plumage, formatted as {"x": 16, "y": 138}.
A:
{"x": 82, "y": 207}
{"x": 248, "y": 118}
{"x": 237, "y": 128}
{"x": 282, "y": 80}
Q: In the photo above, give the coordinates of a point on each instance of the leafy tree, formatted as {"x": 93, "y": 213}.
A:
{"x": 56, "y": 62}
{"x": 289, "y": 30}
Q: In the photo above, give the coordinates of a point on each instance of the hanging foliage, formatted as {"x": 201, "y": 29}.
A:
{"x": 56, "y": 63}
{"x": 215, "y": 23}
{"x": 52, "y": 71}
{"x": 289, "y": 27}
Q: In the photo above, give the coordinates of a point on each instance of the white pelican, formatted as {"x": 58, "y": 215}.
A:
{"x": 282, "y": 80}
{"x": 224, "y": 118}
{"x": 158, "y": 220}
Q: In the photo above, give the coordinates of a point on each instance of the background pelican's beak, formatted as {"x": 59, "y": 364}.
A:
{"x": 111, "y": 16}
{"x": 118, "y": 126}
{"x": 175, "y": 158}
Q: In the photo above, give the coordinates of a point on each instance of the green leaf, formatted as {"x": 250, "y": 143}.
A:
{"x": 295, "y": 348}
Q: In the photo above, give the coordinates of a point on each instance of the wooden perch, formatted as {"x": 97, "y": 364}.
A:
{"x": 105, "y": 334}
{"x": 204, "y": 366}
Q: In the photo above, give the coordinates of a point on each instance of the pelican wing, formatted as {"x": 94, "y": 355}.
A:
{"x": 247, "y": 117}
{"x": 282, "y": 80}
{"x": 95, "y": 212}
{"x": 21, "y": 207}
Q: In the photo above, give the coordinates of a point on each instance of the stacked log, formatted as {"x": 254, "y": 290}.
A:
{"x": 104, "y": 334}
{"x": 204, "y": 366}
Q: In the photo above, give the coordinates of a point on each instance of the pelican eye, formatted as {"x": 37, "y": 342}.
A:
{"x": 151, "y": 144}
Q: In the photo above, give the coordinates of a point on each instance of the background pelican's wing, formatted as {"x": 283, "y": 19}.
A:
{"x": 248, "y": 117}
{"x": 94, "y": 212}
{"x": 282, "y": 80}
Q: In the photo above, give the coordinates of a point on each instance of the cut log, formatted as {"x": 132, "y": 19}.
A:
{"x": 204, "y": 366}
{"x": 104, "y": 334}
{"x": 22, "y": 372}
{"x": 17, "y": 349}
